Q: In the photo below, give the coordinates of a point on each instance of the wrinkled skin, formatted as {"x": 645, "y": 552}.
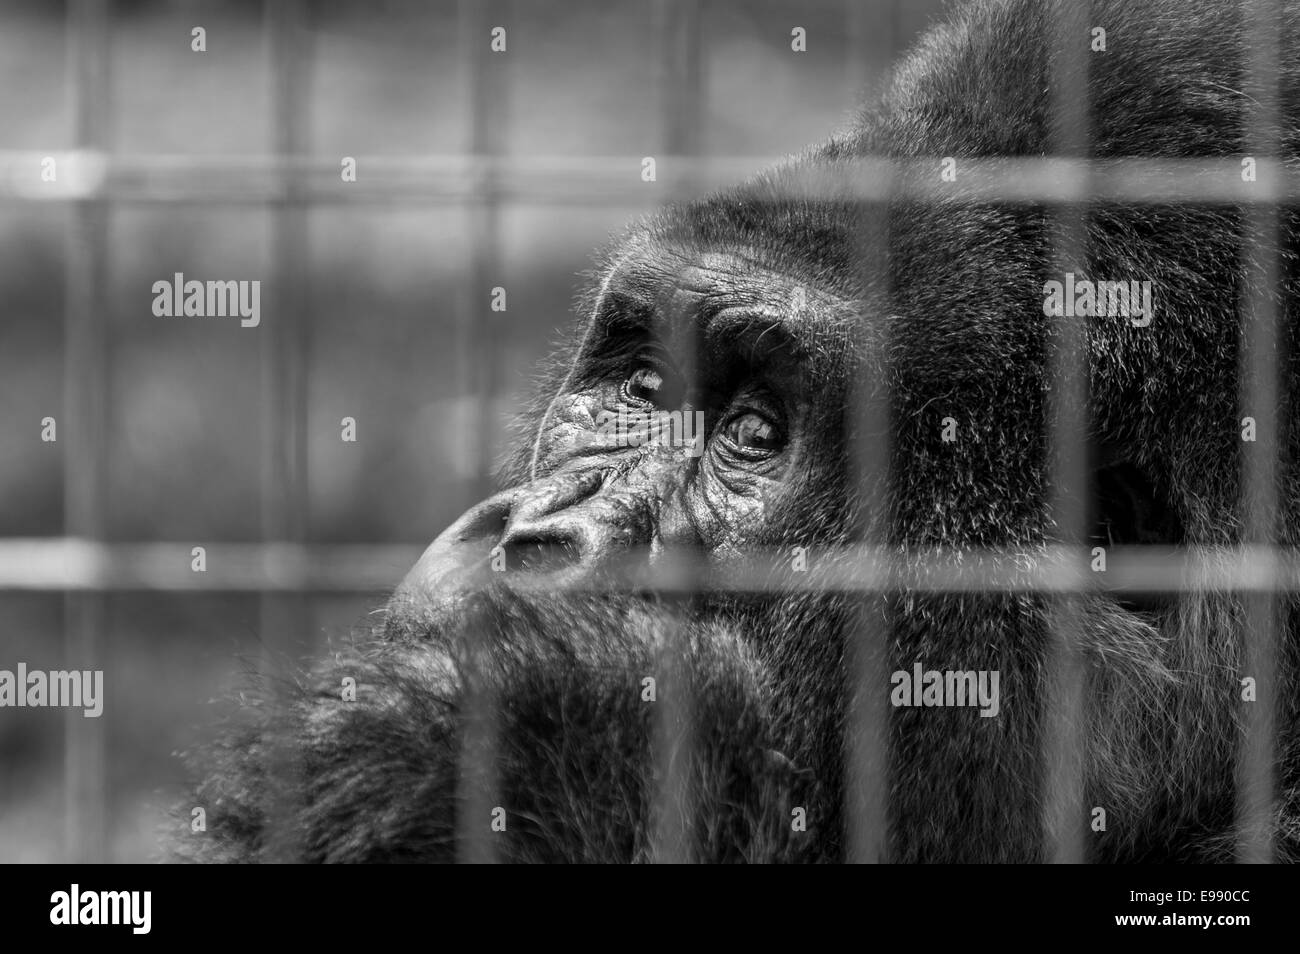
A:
{"x": 755, "y": 308}
{"x": 766, "y": 413}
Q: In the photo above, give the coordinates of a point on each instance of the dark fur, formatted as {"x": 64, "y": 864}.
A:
{"x": 376, "y": 779}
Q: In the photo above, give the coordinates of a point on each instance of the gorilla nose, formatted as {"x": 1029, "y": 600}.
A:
{"x": 543, "y": 529}
{"x": 568, "y": 545}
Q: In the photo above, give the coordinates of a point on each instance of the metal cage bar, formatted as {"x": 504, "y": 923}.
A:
{"x": 673, "y": 726}
{"x": 595, "y": 181}
{"x": 867, "y": 649}
{"x": 285, "y": 356}
{"x": 477, "y": 334}
{"x": 66, "y": 563}
{"x": 85, "y": 385}
{"x": 1062, "y": 737}
{"x": 1261, "y": 395}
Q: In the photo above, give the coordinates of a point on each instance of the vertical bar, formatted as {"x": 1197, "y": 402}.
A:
{"x": 285, "y": 351}
{"x": 680, "y": 75}
{"x": 1067, "y": 417}
{"x": 85, "y": 387}
{"x": 874, "y": 34}
{"x": 478, "y": 335}
{"x": 674, "y": 734}
{"x": 479, "y": 328}
{"x": 1260, "y": 398}
{"x": 673, "y": 741}
{"x": 866, "y": 783}
{"x": 677, "y": 27}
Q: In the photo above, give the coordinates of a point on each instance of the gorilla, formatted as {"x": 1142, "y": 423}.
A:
{"x": 593, "y": 665}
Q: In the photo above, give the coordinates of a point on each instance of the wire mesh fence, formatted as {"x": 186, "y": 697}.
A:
{"x": 286, "y": 565}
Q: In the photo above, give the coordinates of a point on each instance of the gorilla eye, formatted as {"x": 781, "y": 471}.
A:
{"x": 754, "y": 434}
{"x": 650, "y": 384}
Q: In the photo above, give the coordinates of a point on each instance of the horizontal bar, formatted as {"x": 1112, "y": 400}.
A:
{"x": 433, "y": 179}
{"x": 69, "y": 563}
{"x": 612, "y": 180}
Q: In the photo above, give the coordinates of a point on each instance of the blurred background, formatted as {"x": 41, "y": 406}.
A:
{"x": 475, "y": 169}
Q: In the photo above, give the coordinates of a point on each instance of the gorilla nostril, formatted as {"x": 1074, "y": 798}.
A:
{"x": 540, "y": 554}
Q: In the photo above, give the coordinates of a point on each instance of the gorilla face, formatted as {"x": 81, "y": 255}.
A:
{"x": 695, "y": 416}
